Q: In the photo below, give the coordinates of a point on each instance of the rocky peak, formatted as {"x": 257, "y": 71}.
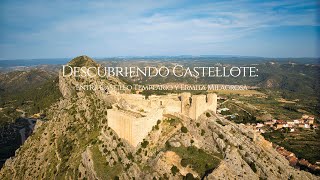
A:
{"x": 83, "y": 61}
{"x": 67, "y": 84}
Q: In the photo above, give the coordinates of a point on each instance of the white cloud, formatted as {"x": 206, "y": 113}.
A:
{"x": 132, "y": 28}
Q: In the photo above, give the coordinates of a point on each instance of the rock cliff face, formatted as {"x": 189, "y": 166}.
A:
{"x": 76, "y": 143}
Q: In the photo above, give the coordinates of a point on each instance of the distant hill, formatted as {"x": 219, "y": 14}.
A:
{"x": 28, "y": 91}
{"x": 17, "y": 81}
{"x": 211, "y": 58}
{"x": 31, "y": 62}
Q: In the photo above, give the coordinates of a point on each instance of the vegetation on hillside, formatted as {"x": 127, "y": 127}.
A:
{"x": 31, "y": 100}
{"x": 197, "y": 159}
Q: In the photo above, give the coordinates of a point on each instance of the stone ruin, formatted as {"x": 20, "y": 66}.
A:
{"x": 194, "y": 106}
{"x": 134, "y": 115}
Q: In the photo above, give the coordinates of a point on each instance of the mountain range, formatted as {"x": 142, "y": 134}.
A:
{"x": 76, "y": 142}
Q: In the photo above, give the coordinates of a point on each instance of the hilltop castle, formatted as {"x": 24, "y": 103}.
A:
{"x": 194, "y": 106}
{"x": 134, "y": 116}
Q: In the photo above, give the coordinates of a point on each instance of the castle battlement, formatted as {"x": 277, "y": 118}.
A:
{"x": 134, "y": 120}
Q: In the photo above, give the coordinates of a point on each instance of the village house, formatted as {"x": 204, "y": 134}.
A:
{"x": 304, "y": 116}
{"x": 310, "y": 121}
{"x": 306, "y": 121}
{"x": 293, "y": 160}
{"x": 311, "y": 118}
{"x": 285, "y": 125}
{"x": 296, "y": 121}
{"x": 280, "y": 124}
{"x": 290, "y": 123}
{"x": 301, "y": 121}
{"x": 307, "y": 118}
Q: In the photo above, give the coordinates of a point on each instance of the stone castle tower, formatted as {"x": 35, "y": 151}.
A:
{"x": 194, "y": 106}
{"x": 133, "y": 125}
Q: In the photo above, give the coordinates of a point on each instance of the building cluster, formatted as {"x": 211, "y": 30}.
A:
{"x": 306, "y": 121}
{"x": 294, "y": 161}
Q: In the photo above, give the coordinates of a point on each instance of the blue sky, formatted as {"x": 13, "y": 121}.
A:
{"x": 47, "y": 29}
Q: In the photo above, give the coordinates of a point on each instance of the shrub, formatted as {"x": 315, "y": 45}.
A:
{"x": 253, "y": 167}
{"x": 184, "y": 162}
{"x": 139, "y": 151}
{"x": 184, "y": 129}
{"x": 202, "y": 132}
{"x": 189, "y": 176}
{"x": 174, "y": 170}
{"x": 167, "y": 144}
{"x": 130, "y": 156}
{"x": 144, "y": 144}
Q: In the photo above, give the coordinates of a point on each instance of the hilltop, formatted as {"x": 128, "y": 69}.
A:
{"x": 82, "y": 61}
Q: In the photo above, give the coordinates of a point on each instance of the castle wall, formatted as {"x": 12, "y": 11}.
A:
{"x": 185, "y": 103}
{"x": 172, "y": 106}
{"x": 131, "y": 128}
{"x": 198, "y": 105}
{"x": 170, "y": 102}
{"x": 135, "y": 99}
{"x": 142, "y": 126}
{"x": 134, "y": 128}
{"x": 212, "y": 102}
{"x": 121, "y": 123}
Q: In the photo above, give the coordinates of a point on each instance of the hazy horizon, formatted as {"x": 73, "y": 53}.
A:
{"x": 160, "y": 56}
